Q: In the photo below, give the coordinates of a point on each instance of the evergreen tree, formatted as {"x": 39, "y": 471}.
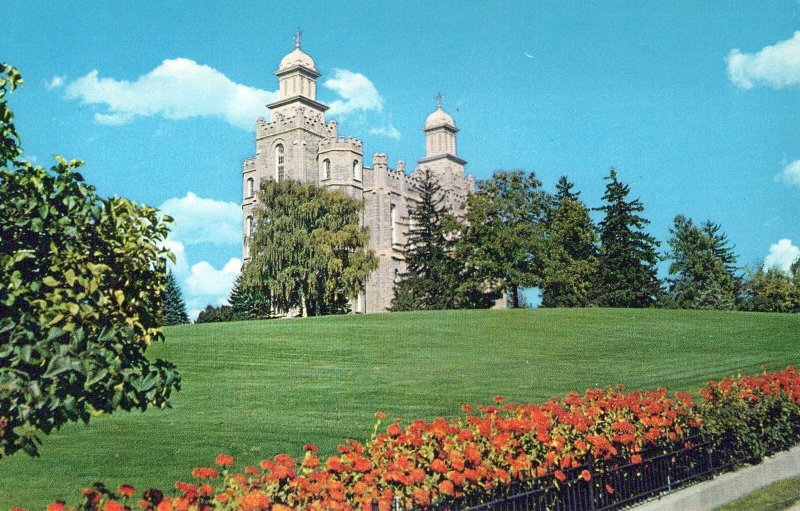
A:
{"x": 217, "y": 314}
{"x": 174, "y": 308}
{"x": 571, "y": 250}
{"x": 703, "y": 266}
{"x": 626, "y": 273}
{"x": 307, "y": 250}
{"x": 429, "y": 281}
{"x": 248, "y": 302}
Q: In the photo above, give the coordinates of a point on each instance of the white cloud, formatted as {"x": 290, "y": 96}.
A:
{"x": 201, "y": 220}
{"x": 357, "y": 91}
{"x": 386, "y": 131}
{"x": 790, "y": 174}
{"x": 206, "y": 281}
{"x": 776, "y": 66}
{"x": 55, "y": 82}
{"x": 782, "y": 254}
{"x": 181, "y": 265}
{"x": 176, "y": 89}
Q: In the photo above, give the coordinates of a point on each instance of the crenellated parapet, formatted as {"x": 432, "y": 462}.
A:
{"x": 249, "y": 165}
{"x": 304, "y": 118}
{"x": 341, "y": 144}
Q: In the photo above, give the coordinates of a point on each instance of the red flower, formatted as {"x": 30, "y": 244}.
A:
{"x": 255, "y": 501}
{"x": 205, "y": 473}
{"x": 446, "y": 488}
{"x": 561, "y": 476}
{"x": 56, "y": 506}
{"x": 636, "y": 459}
{"x": 394, "y": 430}
{"x": 586, "y": 475}
{"x": 126, "y": 490}
{"x": 224, "y": 460}
{"x": 313, "y": 448}
{"x": 113, "y": 505}
{"x": 610, "y": 489}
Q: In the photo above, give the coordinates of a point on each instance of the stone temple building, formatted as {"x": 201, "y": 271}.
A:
{"x": 299, "y": 143}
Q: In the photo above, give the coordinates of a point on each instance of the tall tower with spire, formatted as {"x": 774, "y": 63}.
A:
{"x": 298, "y": 144}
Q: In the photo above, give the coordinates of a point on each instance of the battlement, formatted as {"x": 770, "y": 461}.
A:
{"x": 340, "y": 143}
{"x": 302, "y": 118}
{"x": 249, "y": 165}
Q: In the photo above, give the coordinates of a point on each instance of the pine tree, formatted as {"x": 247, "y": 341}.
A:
{"x": 571, "y": 250}
{"x": 248, "y": 302}
{"x": 626, "y": 274}
{"x": 174, "y": 308}
{"x": 703, "y": 266}
{"x": 429, "y": 281}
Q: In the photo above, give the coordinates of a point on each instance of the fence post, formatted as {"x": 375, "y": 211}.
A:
{"x": 591, "y": 482}
{"x": 711, "y": 459}
{"x": 375, "y": 505}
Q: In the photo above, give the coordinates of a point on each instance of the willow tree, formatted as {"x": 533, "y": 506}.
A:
{"x": 307, "y": 249}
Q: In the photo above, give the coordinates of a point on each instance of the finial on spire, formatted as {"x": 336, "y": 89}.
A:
{"x": 297, "y": 37}
{"x": 439, "y": 100}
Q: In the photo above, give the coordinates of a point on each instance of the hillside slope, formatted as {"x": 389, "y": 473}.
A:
{"x": 254, "y": 389}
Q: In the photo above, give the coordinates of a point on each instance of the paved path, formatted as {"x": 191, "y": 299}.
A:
{"x": 728, "y": 487}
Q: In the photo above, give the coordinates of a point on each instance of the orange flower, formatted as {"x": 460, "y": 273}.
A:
{"x": 126, "y": 490}
{"x": 380, "y": 416}
{"x": 610, "y": 489}
{"x": 561, "y": 476}
{"x": 56, "y": 506}
{"x": 205, "y": 473}
{"x": 224, "y": 460}
{"x": 446, "y": 488}
{"x": 394, "y": 430}
{"x": 113, "y": 505}
{"x": 586, "y": 475}
{"x": 256, "y": 501}
{"x": 636, "y": 459}
{"x": 312, "y": 447}
{"x": 422, "y": 497}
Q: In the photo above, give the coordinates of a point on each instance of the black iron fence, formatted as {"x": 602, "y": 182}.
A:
{"x": 614, "y": 484}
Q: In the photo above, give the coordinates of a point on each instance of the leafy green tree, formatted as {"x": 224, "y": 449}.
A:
{"x": 430, "y": 279}
{"x": 248, "y": 302}
{"x": 308, "y": 250}
{"x": 626, "y": 272}
{"x": 219, "y": 314}
{"x": 772, "y": 290}
{"x": 502, "y": 240}
{"x": 81, "y": 289}
{"x": 174, "y": 306}
{"x": 703, "y": 266}
{"x": 571, "y": 251}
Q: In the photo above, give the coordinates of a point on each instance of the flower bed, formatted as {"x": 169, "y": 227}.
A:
{"x": 420, "y": 463}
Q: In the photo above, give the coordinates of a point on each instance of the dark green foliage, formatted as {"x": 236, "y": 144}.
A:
{"x": 434, "y": 276}
{"x": 81, "y": 289}
{"x": 248, "y": 302}
{"x": 217, "y": 314}
{"x": 571, "y": 258}
{"x": 771, "y": 289}
{"x": 174, "y": 306}
{"x": 626, "y": 272}
{"x": 308, "y": 250}
{"x": 703, "y": 266}
{"x": 503, "y": 238}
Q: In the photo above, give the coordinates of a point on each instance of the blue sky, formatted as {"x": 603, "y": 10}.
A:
{"x": 697, "y": 104}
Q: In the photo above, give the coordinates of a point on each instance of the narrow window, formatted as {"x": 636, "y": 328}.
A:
{"x": 279, "y": 162}
{"x": 248, "y": 230}
{"x": 393, "y": 220}
{"x": 356, "y": 171}
{"x": 326, "y": 169}
{"x": 250, "y": 185}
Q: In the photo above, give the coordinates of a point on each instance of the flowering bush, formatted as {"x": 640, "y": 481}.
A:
{"x": 423, "y": 462}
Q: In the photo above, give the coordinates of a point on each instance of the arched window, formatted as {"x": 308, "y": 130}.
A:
{"x": 248, "y": 227}
{"x": 250, "y": 186}
{"x": 356, "y": 171}
{"x": 279, "y": 163}
{"x": 393, "y": 222}
{"x": 326, "y": 169}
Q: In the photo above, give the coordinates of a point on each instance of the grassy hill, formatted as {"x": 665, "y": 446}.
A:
{"x": 254, "y": 389}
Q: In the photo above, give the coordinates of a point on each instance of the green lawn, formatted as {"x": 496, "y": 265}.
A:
{"x": 775, "y": 497}
{"x": 254, "y": 389}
